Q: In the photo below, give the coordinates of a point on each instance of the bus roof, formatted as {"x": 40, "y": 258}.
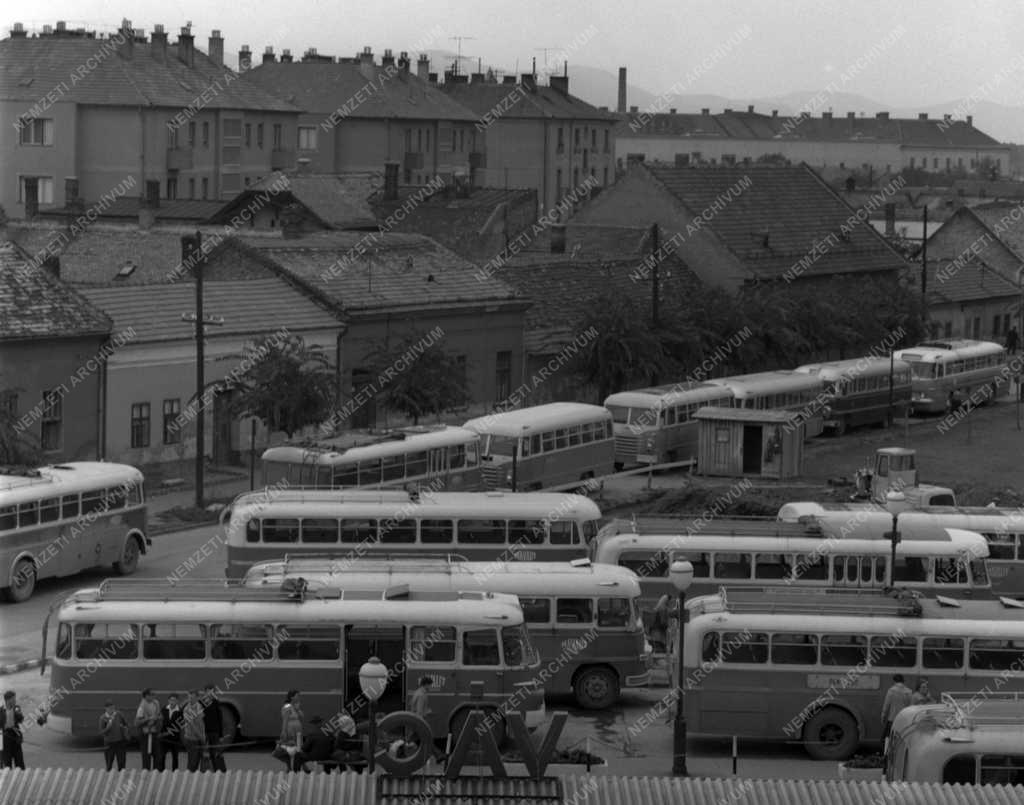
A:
{"x": 608, "y": 549}
{"x": 395, "y": 443}
{"x": 985, "y": 722}
{"x": 683, "y": 524}
{"x": 526, "y": 421}
{"x": 920, "y": 523}
{"x": 665, "y": 396}
{"x": 64, "y": 479}
{"x": 868, "y": 366}
{"x": 945, "y": 351}
{"x": 515, "y": 578}
{"x": 743, "y": 386}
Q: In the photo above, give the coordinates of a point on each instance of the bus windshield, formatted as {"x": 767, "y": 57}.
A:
{"x": 624, "y": 415}
{"x": 920, "y": 370}
{"x": 501, "y": 446}
{"x": 519, "y": 651}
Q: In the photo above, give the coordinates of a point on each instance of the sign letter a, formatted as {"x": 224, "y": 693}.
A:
{"x": 537, "y": 761}
{"x": 475, "y": 733}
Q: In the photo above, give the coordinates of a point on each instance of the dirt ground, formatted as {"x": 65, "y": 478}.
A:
{"x": 981, "y": 458}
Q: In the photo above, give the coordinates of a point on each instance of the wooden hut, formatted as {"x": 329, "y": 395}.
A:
{"x": 740, "y": 441}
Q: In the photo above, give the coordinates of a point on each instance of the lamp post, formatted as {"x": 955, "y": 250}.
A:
{"x": 681, "y": 574}
{"x": 373, "y": 679}
{"x": 894, "y": 503}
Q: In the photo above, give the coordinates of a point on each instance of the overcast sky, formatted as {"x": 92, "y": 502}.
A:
{"x": 898, "y": 52}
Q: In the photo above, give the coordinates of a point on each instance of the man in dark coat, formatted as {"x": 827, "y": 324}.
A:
{"x": 318, "y": 745}
{"x": 213, "y": 720}
{"x": 170, "y": 738}
{"x": 11, "y": 718}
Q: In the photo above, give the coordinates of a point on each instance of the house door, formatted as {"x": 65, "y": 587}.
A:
{"x": 752, "y": 449}
{"x": 365, "y": 414}
{"x": 222, "y": 427}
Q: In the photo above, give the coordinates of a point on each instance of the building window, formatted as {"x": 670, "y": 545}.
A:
{"x": 453, "y": 140}
{"x": 191, "y": 188}
{"x": 462, "y": 141}
{"x": 53, "y": 416}
{"x": 558, "y": 184}
{"x": 172, "y": 135}
{"x": 307, "y": 138}
{"x": 172, "y": 187}
{"x": 576, "y": 139}
{"x": 949, "y": 329}
{"x": 407, "y": 176}
{"x": 959, "y": 162}
{"x": 419, "y": 140}
{"x": 605, "y": 182}
{"x": 248, "y": 135}
{"x": 995, "y": 324}
{"x": 172, "y": 430}
{"x": 575, "y": 177}
{"x": 206, "y": 187}
{"x": 462, "y": 376}
{"x": 976, "y": 328}
{"x": 935, "y": 163}
{"x": 192, "y": 134}
{"x": 140, "y": 424}
{"x": 607, "y": 142}
{"x": 503, "y": 376}
{"x": 561, "y": 140}
{"x": 206, "y": 135}
{"x": 44, "y": 194}
{"x": 9, "y": 403}
{"x": 277, "y": 136}
{"x": 259, "y": 135}
{"x": 1006, "y": 323}
{"x": 232, "y": 128}
{"x": 949, "y": 163}
{"x": 593, "y": 139}
{"x": 36, "y": 132}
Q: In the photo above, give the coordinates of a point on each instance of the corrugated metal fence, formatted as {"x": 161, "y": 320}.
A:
{"x": 136, "y": 787}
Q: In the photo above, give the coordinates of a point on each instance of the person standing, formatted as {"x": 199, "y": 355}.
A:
{"x": 291, "y": 729}
{"x": 11, "y": 718}
{"x": 114, "y": 729}
{"x": 214, "y": 721}
{"x": 896, "y": 698}
{"x": 922, "y": 695}
{"x": 170, "y": 738}
{"x": 193, "y": 731}
{"x": 1011, "y": 340}
{"x": 147, "y": 722}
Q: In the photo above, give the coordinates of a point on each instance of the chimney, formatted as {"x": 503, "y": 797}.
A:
{"x": 18, "y": 31}
{"x": 149, "y": 204}
{"x": 826, "y": 115}
{"x": 125, "y": 40}
{"x": 634, "y": 110}
{"x": 62, "y": 27}
{"x": 390, "y": 181}
{"x": 509, "y": 79}
{"x": 851, "y": 115}
{"x": 622, "y": 91}
{"x": 750, "y": 109}
{"x": 31, "y": 197}
{"x": 559, "y": 83}
{"x": 52, "y": 264}
{"x": 775, "y": 112}
{"x": 558, "y": 239}
{"x": 704, "y": 112}
{"x": 216, "y": 48}
{"x": 477, "y": 78}
{"x": 890, "y": 219}
{"x": 882, "y": 116}
{"x": 186, "y": 54}
{"x": 432, "y": 78}
{"x": 727, "y": 112}
{"x": 159, "y": 40}
{"x": 291, "y": 222}
{"x": 970, "y": 120}
{"x": 286, "y": 56}
{"x": 388, "y": 59}
{"x": 70, "y": 191}
{"x": 672, "y": 111}
{"x": 366, "y": 57}
{"x": 423, "y": 67}
{"x": 268, "y": 55}
{"x": 529, "y": 82}
{"x": 244, "y": 59}
{"x": 403, "y": 61}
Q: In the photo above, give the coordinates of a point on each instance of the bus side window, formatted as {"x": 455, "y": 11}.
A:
{"x": 574, "y": 610}
{"x": 281, "y": 530}
{"x": 361, "y": 530}
{"x": 574, "y": 435}
{"x": 70, "y": 506}
{"x": 746, "y": 647}
{"x": 345, "y": 476}
{"x": 252, "y": 530}
{"x": 310, "y": 643}
{"x": 960, "y": 769}
{"x": 437, "y": 532}
{"x": 415, "y": 464}
{"x": 393, "y": 532}
{"x": 63, "y": 650}
{"x": 732, "y": 565}
{"x": 536, "y": 610}
{"x": 49, "y": 510}
{"x": 795, "y": 649}
{"x": 613, "y": 613}
{"x": 561, "y": 532}
{"x": 432, "y": 644}
{"x": 526, "y": 532}
{"x": 910, "y": 568}
{"x": 843, "y": 650}
{"x": 535, "y": 444}
{"x": 1001, "y": 770}
{"x": 709, "y": 647}
{"x": 770, "y": 566}
{"x": 321, "y": 531}
{"x": 482, "y": 532}
{"x": 480, "y": 647}
{"x": 701, "y": 563}
{"x": 174, "y": 641}
{"x": 8, "y": 518}
{"x": 1000, "y": 546}
{"x": 942, "y": 652}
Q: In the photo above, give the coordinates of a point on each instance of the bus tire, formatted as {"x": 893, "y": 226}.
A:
{"x": 496, "y": 725}
{"x": 840, "y": 427}
{"x": 596, "y": 688}
{"x": 230, "y": 721}
{"x": 831, "y": 734}
{"x": 23, "y": 582}
{"x": 129, "y": 561}
{"x": 617, "y": 466}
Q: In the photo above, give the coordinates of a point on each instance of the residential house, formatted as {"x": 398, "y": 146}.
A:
{"x": 740, "y": 225}
{"x": 975, "y": 268}
{"x": 110, "y": 112}
{"x": 358, "y": 115}
{"x": 538, "y": 137}
{"x": 53, "y": 346}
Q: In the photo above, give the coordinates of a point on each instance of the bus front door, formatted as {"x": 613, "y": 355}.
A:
{"x": 437, "y": 468}
{"x": 387, "y": 644}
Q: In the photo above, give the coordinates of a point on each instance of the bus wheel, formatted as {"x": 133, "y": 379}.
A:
{"x": 617, "y": 466}
{"x": 596, "y": 689}
{"x": 840, "y": 427}
{"x": 23, "y": 582}
{"x": 229, "y": 720}
{"x": 494, "y": 722}
{"x": 129, "y": 561}
{"x": 831, "y": 734}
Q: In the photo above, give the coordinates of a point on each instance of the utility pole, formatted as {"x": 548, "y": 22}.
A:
{"x": 924, "y": 271}
{"x": 655, "y": 288}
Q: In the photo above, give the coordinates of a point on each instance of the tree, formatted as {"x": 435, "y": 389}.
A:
{"x": 418, "y": 378}
{"x": 286, "y": 384}
{"x": 17, "y": 446}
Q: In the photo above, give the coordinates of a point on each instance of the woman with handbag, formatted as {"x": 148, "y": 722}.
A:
{"x": 289, "y": 745}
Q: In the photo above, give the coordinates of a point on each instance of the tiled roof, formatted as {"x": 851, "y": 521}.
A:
{"x": 248, "y": 307}
{"x": 35, "y": 304}
{"x": 988, "y": 189}
{"x": 790, "y": 206}
{"x": 1006, "y": 221}
{"x": 397, "y": 272}
{"x": 513, "y": 101}
{"x": 319, "y": 87}
{"x": 972, "y": 279}
{"x": 339, "y": 201}
{"x": 750, "y": 125}
{"x": 32, "y": 67}
{"x": 127, "y": 208}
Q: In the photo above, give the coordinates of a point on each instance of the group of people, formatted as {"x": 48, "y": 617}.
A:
{"x": 195, "y": 729}
{"x": 900, "y": 696}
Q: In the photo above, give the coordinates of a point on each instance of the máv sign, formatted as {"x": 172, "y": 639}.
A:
{"x": 475, "y": 734}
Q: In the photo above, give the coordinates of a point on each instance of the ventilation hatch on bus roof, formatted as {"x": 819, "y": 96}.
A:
{"x": 1011, "y": 603}
{"x": 580, "y": 563}
{"x": 946, "y": 601}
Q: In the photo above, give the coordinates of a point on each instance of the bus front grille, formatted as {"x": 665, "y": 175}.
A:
{"x": 493, "y": 477}
{"x": 626, "y": 448}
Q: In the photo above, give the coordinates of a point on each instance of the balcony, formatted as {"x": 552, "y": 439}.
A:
{"x": 179, "y": 159}
{"x": 413, "y": 161}
{"x": 281, "y": 159}
{"x": 477, "y": 160}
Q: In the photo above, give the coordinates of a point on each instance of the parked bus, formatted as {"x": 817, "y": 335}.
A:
{"x": 951, "y": 566}
{"x": 782, "y": 390}
{"x": 175, "y": 638}
{"x": 59, "y": 520}
{"x": 946, "y": 373}
{"x": 545, "y": 446}
{"x": 589, "y": 614}
{"x": 440, "y": 457}
{"x": 1002, "y": 528}
{"x": 656, "y": 426}
{"x": 544, "y": 526}
{"x": 814, "y": 666}
{"x": 861, "y": 391}
{"x": 972, "y": 740}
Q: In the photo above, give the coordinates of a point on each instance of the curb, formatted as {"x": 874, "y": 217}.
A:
{"x": 18, "y": 667}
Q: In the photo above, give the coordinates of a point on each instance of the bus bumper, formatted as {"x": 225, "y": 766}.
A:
{"x": 638, "y": 680}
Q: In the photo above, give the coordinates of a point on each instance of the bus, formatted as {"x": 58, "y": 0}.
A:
{"x": 1002, "y": 528}
{"x": 861, "y": 391}
{"x": 585, "y": 616}
{"x": 782, "y": 390}
{"x": 62, "y": 519}
{"x": 944, "y": 374}
{"x": 656, "y": 426}
{"x": 814, "y": 666}
{"x": 441, "y": 457}
{"x": 529, "y": 526}
{"x": 545, "y": 446}
{"x": 972, "y": 740}
{"x": 175, "y": 638}
{"x": 951, "y": 566}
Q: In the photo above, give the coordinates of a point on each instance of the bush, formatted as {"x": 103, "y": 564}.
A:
{"x": 875, "y": 761}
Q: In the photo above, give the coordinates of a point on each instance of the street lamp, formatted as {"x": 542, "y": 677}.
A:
{"x": 895, "y": 503}
{"x": 373, "y": 679}
{"x": 681, "y": 574}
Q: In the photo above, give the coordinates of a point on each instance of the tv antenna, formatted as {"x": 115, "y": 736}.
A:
{"x": 546, "y": 52}
{"x": 459, "y": 40}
